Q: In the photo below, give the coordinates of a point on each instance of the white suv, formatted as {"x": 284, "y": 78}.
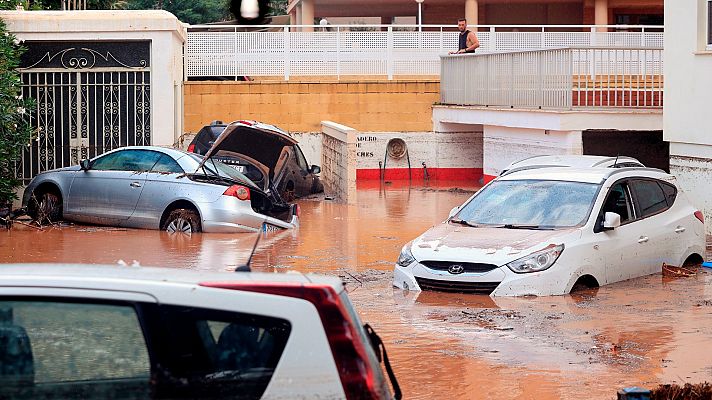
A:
{"x": 140, "y": 333}
{"x": 544, "y": 231}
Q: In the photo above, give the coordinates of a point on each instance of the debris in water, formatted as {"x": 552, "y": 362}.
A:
{"x": 673, "y": 271}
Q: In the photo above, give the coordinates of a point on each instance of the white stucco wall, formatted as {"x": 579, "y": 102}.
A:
{"x": 688, "y": 100}
{"x": 688, "y": 74}
{"x": 503, "y": 145}
{"x": 166, "y": 33}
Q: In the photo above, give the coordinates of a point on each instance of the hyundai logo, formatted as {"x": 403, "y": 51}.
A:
{"x": 456, "y": 269}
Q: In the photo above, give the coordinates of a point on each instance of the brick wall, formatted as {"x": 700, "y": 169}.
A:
{"x": 301, "y": 106}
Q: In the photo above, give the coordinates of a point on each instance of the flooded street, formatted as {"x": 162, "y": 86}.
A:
{"x": 640, "y": 332}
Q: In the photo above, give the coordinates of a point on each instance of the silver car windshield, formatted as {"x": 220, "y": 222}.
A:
{"x": 215, "y": 167}
{"x": 530, "y": 204}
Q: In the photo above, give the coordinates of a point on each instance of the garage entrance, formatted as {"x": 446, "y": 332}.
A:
{"x": 647, "y": 146}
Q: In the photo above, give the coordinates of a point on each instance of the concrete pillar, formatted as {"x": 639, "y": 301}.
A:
{"x": 293, "y": 16}
{"x": 298, "y": 13}
{"x": 601, "y": 14}
{"x": 471, "y": 9}
{"x": 308, "y": 14}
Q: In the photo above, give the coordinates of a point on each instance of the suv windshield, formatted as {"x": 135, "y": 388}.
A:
{"x": 530, "y": 204}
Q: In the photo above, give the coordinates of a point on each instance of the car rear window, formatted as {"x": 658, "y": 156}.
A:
{"x": 74, "y": 349}
{"x": 650, "y": 196}
{"x": 670, "y": 193}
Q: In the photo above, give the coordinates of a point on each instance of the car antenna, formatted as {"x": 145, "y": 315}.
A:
{"x": 616, "y": 162}
{"x": 246, "y": 267}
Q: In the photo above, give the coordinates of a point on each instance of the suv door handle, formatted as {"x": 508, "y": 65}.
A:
{"x": 680, "y": 229}
{"x": 643, "y": 239}
{"x": 135, "y": 184}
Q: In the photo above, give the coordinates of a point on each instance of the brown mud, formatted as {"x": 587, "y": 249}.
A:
{"x": 642, "y": 332}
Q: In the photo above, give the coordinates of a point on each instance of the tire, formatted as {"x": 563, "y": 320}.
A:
{"x": 182, "y": 220}
{"x": 46, "y": 208}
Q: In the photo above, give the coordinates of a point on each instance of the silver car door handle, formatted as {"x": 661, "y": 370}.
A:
{"x": 680, "y": 229}
{"x": 643, "y": 239}
{"x": 135, "y": 184}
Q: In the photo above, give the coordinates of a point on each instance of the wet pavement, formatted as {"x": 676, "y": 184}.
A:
{"x": 641, "y": 332}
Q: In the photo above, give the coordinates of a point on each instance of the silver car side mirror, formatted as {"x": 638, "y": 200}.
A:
{"x": 84, "y": 165}
{"x": 315, "y": 169}
{"x": 453, "y": 211}
{"x": 611, "y": 221}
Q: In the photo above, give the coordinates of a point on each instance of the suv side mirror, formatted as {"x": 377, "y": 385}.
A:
{"x": 453, "y": 211}
{"x": 85, "y": 165}
{"x": 611, "y": 221}
{"x": 315, "y": 169}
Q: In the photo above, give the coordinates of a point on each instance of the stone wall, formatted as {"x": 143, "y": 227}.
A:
{"x": 338, "y": 162}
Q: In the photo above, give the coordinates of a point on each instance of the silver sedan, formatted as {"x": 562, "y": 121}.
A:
{"x": 156, "y": 188}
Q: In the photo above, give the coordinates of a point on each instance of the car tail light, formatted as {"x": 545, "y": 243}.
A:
{"x": 191, "y": 148}
{"x": 297, "y": 210}
{"x": 357, "y": 378}
{"x": 238, "y": 191}
{"x": 700, "y": 216}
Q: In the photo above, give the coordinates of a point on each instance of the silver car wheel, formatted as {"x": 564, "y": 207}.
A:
{"x": 179, "y": 225}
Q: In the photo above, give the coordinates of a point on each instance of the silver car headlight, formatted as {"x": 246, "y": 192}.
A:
{"x": 539, "y": 261}
{"x": 406, "y": 256}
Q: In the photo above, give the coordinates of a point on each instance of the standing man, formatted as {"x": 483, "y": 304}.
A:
{"x": 468, "y": 39}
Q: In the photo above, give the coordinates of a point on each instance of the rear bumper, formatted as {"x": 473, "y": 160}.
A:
{"x": 230, "y": 215}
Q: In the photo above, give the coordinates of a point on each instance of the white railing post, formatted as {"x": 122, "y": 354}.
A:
{"x": 493, "y": 40}
{"x": 286, "y": 53}
{"x": 543, "y": 38}
{"x": 389, "y": 53}
{"x": 234, "y": 48}
{"x": 338, "y": 53}
{"x": 592, "y": 37}
{"x": 441, "y": 40}
{"x": 642, "y": 37}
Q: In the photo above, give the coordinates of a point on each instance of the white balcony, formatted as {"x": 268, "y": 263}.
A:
{"x": 384, "y": 51}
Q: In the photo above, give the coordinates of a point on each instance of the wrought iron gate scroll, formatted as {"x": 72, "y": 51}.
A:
{"x": 91, "y": 97}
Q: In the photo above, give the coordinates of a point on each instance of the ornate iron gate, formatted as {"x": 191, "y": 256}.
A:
{"x": 91, "y": 97}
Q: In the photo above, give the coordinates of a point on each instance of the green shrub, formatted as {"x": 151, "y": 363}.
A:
{"x": 15, "y": 128}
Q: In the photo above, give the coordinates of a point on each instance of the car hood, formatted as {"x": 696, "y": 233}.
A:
{"x": 261, "y": 142}
{"x": 448, "y": 242}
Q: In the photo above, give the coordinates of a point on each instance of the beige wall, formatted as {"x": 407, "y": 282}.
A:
{"x": 301, "y": 106}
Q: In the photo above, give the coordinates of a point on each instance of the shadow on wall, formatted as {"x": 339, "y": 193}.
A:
{"x": 647, "y": 146}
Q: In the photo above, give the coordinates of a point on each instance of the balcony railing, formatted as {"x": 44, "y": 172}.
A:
{"x": 555, "y": 79}
{"x": 377, "y": 50}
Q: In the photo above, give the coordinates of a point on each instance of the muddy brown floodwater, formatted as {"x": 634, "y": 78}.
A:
{"x": 641, "y": 332}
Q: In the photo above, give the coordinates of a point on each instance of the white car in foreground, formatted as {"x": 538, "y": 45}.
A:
{"x": 543, "y": 231}
{"x": 71, "y": 332}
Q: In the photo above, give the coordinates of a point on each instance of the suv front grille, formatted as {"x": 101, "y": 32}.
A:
{"x": 457, "y": 287}
{"x": 468, "y": 267}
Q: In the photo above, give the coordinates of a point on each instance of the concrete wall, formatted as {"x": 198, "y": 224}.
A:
{"x": 338, "y": 161}
{"x": 688, "y": 96}
{"x": 503, "y": 145}
{"x": 165, "y": 32}
{"x": 301, "y": 106}
{"x": 446, "y": 155}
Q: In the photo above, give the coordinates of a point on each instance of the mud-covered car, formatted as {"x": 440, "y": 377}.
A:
{"x": 108, "y": 332}
{"x": 264, "y": 153}
{"x": 547, "y": 231}
{"x": 156, "y": 188}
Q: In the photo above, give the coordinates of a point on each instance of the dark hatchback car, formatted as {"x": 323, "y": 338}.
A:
{"x": 262, "y": 152}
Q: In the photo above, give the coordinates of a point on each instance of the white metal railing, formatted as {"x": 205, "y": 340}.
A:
{"x": 558, "y": 78}
{"x": 378, "y": 50}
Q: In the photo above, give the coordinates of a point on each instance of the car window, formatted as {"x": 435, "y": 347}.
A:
{"x": 213, "y": 353}
{"x": 650, "y": 196}
{"x": 166, "y": 164}
{"x": 127, "y": 160}
{"x": 618, "y": 201}
{"x": 670, "y": 193}
{"x": 214, "y": 167}
{"x": 547, "y": 204}
{"x": 63, "y": 349}
{"x": 301, "y": 160}
{"x": 55, "y": 341}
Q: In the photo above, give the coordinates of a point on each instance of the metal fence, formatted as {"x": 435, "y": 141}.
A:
{"x": 558, "y": 79}
{"x": 378, "y": 50}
